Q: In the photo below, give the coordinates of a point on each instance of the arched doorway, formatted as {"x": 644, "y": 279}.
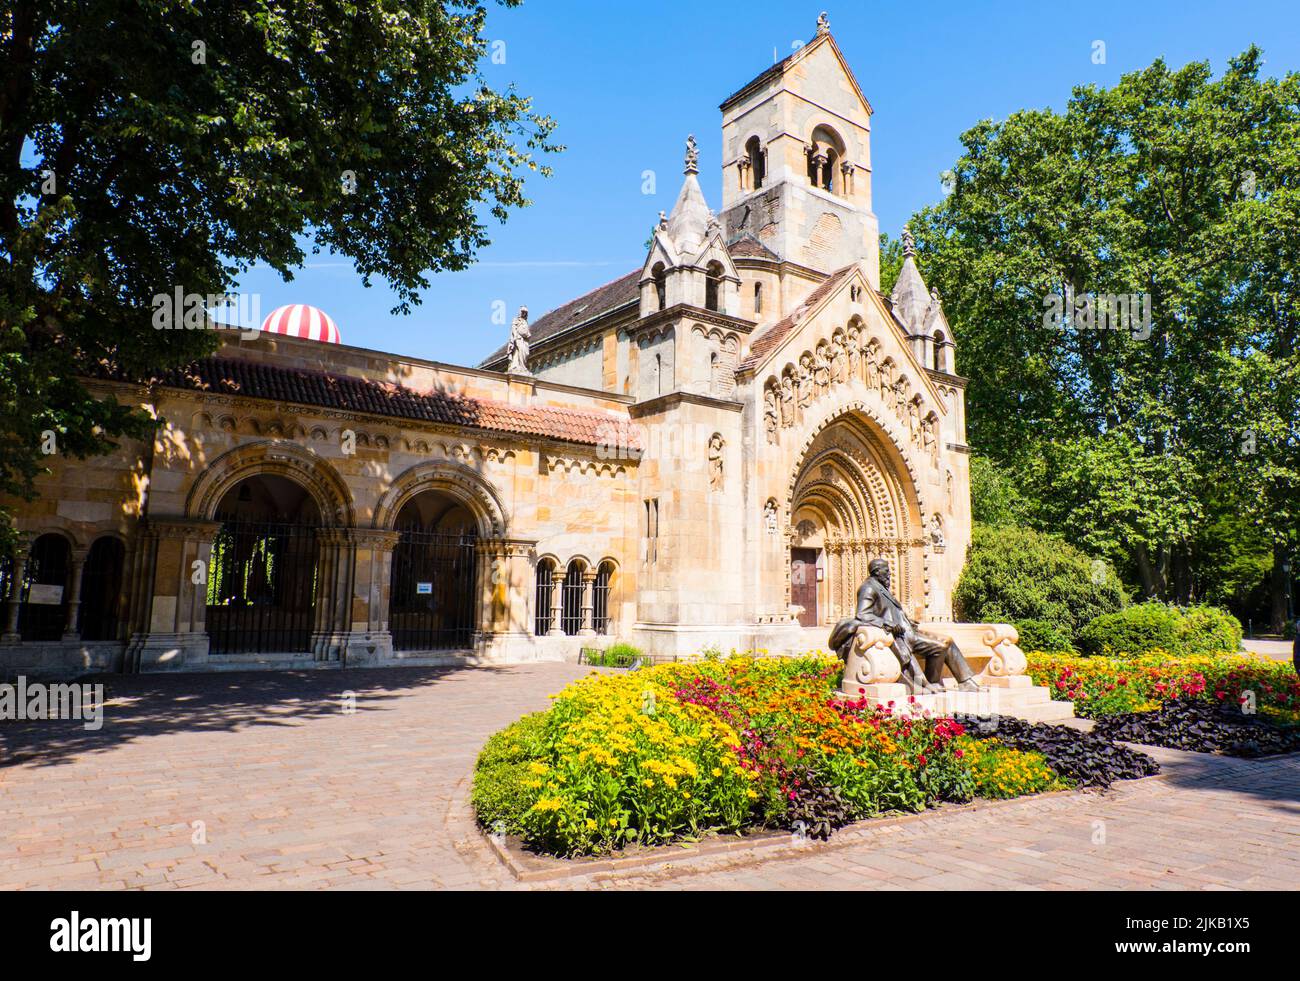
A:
{"x": 262, "y": 578}
{"x": 852, "y": 501}
{"x": 434, "y": 604}
{"x": 44, "y": 612}
{"x": 101, "y": 590}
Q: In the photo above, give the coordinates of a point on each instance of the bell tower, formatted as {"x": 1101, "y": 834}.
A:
{"x": 797, "y": 162}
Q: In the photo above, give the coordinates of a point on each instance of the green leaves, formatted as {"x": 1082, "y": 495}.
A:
{"x": 189, "y": 141}
{"x": 1172, "y": 185}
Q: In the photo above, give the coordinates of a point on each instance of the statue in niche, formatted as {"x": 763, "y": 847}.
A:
{"x": 929, "y": 440}
{"x": 887, "y": 382}
{"x": 914, "y": 420}
{"x": 870, "y": 370}
{"x": 787, "y": 402}
{"x": 517, "y": 350}
{"x": 716, "y": 445}
{"x": 769, "y": 517}
{"x": 805, "y": 380}
{"x": 936, "y": 536}
{"x": 951, "y": 491}
{"x": 821, "y": 371}
{"x": 838, "y": 376}
{"x": 851, "y": 350}
{"x": 900, "y": 398}
{"x": 770, "y": 420}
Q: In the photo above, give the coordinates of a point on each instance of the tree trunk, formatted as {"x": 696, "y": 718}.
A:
{"x": 1278, "y": 584}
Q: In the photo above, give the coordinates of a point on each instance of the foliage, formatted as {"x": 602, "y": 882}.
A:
{"x": 1040, "y": 635}
{"x": 1016, "y": 575}
{"x": 1134, "y": 630}
{"x": 620, "y": 655}
{"x": 211, "y": 137}
{"x": 1133, "y": 442}
{"x": 1101, "y": 686}
{"x": 1000, "y": 772}
{"x": 501, "y": 792}
{"x": 995, "y": 498}
{"x": 1156, "y": 627}
{"x": 1206, "y": 629}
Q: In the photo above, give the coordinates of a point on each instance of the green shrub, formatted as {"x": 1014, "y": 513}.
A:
{"x": 620, "y": 655}
{"x": 1135, "y": 630}
{"x": 1014, "y": 575}
{"x": 1205, "y": 629}
{"x": 1042, "y": 635}
{"x": 505, "y": 767}
{"x": 1156, "y": 627}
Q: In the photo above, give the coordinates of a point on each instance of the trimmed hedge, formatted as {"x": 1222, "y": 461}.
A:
{"x": 1156, "y": 627}
{"x": 1015, "y": 575}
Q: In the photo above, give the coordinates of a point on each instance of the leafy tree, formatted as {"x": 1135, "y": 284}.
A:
{"x": 1172, "y": 186}
{"x": 154, "y": 145}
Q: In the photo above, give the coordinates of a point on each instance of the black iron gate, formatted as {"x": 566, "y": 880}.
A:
{"x": 262, "y": 588}
{"x": 434, "y": 605}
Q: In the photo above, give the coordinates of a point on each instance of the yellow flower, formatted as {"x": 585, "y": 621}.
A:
{"x": 686, "y": 794}
{"x": 717, "y": 772}
{"x": 613, "y": 822}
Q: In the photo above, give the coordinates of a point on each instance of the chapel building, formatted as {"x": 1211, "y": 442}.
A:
{"x": 703, "y": 453}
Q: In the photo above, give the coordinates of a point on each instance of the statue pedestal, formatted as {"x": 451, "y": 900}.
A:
{"x": 1019, "y": 697}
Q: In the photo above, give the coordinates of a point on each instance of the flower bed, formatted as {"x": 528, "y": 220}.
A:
{"x": 1102, "y": 686}
{"x": 674, "y": 751}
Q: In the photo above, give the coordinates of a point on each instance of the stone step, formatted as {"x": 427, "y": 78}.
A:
{"x": 1049, "y": 712}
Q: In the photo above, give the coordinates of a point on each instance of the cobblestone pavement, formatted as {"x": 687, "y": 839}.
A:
{"x": 265, "y": 781}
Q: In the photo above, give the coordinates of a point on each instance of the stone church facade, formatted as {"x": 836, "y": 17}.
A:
{"x": 706, "y": 452}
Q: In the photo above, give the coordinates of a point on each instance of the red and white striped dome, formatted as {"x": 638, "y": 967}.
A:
{"x": 300, "y": 320}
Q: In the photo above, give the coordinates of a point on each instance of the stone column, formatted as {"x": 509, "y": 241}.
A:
{"x": 506, "y": 614}
{"x": 557, "y": 604}
{"x": 14, "y": 601}
{"x": 361, "y": 595}
{"x": 72, "y": 628}
{"x": 333, "y": 601}
{"x": 173, "y": 633}
{"x": 588, "y": 603}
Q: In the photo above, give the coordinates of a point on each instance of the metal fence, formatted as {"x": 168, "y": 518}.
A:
{"x": 262, "y": 588}
{"x": 433, "y": 599}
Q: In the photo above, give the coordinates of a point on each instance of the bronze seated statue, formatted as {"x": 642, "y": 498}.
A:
{"x": 878, "y": 608}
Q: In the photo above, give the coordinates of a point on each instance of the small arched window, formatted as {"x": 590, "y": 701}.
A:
{"x": 758, "y": 297}
{"x": 824, "y": 160}
{"x": 571, "y": 619}
{"x": 661, "y": 284}
{"x": 940, "y": 351}
{"x": 757, "y": 162}
{"x": 545, "y": 598}
{"x": 713, "y": 287}
{"x": 600, "y": 599}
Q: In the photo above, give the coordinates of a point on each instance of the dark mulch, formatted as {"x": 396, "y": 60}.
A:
{"x": 1089, "y": 759}
{"x": 1202, "y": 727}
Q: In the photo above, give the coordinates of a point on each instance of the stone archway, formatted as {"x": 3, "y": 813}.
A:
{"x": 852, "y": 499}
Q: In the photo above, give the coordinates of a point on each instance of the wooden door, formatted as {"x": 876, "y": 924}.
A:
{"x": 803, "y": 584}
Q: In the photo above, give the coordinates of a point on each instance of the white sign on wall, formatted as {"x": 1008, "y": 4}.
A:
{"x": 41, "y": 595}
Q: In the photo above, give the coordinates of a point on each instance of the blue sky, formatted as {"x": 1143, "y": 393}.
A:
{"x": 628, "y": 81}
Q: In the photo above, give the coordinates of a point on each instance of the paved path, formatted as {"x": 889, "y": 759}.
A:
{"x": 293, "y": 792}
{"x": 1278, "y": 650}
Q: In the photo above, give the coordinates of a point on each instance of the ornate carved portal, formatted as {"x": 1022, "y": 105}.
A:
{"x": 852, "y": 501}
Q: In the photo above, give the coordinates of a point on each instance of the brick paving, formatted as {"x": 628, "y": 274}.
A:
{"x": 264, "y": 781}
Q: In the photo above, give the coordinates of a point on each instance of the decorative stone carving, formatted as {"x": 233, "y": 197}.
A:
{"x": 938, "y": 541}
{"x": 770, "y": 521}
{"x": 716, "y": 445}
{"x": 771, "y": 423}
{"x": 823, "y": 24}
{"x": 520, "y": 336}
{"x": 692, "y": 155}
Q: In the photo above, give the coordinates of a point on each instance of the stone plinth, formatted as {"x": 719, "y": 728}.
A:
{"x": 1027, "y": 701}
